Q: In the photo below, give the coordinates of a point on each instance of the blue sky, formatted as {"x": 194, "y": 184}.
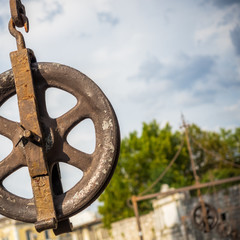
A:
{"x": 154, "y": 59}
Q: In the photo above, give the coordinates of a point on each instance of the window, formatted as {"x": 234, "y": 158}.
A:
{"x": 28, "y": 234}
{"x": 46, "y": 235}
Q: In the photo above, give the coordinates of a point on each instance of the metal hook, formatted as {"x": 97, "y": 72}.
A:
{"x": 18, "y": 35}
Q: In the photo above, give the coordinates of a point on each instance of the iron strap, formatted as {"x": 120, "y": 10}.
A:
{"x": 33, "y": 139}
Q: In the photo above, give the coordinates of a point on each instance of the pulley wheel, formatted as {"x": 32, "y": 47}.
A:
{"x": 97, "y": 167}
{"x": 198, "y": 218}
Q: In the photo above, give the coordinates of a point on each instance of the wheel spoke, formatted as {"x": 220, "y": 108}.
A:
{"x": 67, "y": 121}
{"x": 9, "y": 128}
{"x": 11, "y": 163}
{"x": 76, "y": 158}
{"x": 198, "y": 214}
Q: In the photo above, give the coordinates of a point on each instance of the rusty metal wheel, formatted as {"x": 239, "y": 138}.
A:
{"x": 97, "y": 167}
{"x": 198, "y": 218}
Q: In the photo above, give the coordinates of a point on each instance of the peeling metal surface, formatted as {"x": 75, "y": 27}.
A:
{"x": 107, "y": 124}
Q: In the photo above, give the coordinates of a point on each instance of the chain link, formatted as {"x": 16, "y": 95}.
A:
{"x": 18, "y": 14}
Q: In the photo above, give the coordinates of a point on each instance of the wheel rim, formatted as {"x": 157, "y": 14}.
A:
{"x": 97, "y": 167}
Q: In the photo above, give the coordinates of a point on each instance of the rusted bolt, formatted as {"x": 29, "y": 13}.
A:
{"x": 37, "y": 139}
{"x": 31, "y": 136}
{"x": 27, "y": 133}
{"x": 46, "y": 224}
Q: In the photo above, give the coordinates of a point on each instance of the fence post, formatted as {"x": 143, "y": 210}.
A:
{"x": 135, "y": 207}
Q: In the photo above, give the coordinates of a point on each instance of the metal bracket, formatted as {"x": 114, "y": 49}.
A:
{"x": 34, "y": 151}
{"x": 35, "y": 154}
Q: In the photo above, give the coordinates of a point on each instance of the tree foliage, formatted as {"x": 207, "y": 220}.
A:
{"x": 143, "y": 158}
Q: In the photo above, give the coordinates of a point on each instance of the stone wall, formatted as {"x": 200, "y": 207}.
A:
{"x": 127, "y": 229}
{"x": 171, "y": 218}
{"x": 227, "y": 203}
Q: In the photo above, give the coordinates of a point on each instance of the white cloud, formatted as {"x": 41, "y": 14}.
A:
{"x": 234, "y": 108}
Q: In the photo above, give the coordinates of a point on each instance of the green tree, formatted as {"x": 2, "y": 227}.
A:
{"x": 217, "y": 154}
{"x": 143, "y": 158}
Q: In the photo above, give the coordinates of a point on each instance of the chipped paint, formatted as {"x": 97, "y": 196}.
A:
{"x": 102, "y": 169}
{"x": 11, "y": 200}
{"x": 107, "y": 124}
{"x": 31, "y": 204}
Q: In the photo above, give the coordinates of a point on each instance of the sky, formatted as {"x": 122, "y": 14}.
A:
{"x": 153, "y": 59}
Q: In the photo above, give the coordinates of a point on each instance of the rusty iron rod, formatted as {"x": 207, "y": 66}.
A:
{"x": 188, "y": 188}
{"x": 183, "y": 219}
{"x": 196, "y": 177}
{"x": 190, "y": 151}
{"x": 135, "y": 208}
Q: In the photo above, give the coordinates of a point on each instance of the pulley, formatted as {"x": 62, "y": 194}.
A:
{"x": 40, "y": 141}
{"x": 205, "y": 223}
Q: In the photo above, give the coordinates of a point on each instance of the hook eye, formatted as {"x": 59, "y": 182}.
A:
{"x": 18, "y": 35}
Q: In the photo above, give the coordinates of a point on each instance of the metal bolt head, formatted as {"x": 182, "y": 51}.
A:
{"x": 38, "y": 139}
{"x": 27, "y": 133}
